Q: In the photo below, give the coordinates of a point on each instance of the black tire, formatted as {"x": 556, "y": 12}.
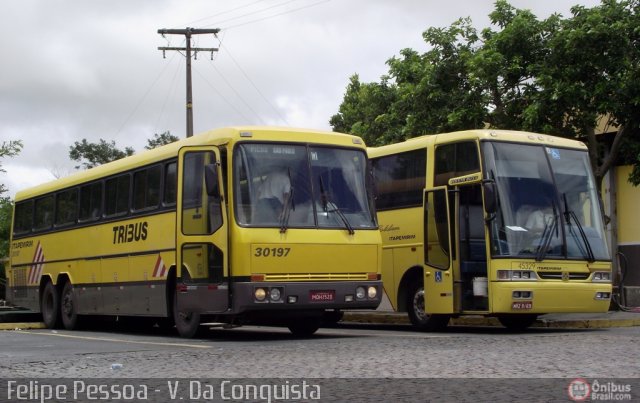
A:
{"x": 69, "y": 307}
{"x": 304, "y": 328}
{"x": 50, "y": 306}
{"x": 517, "y": 322}
{"x": 187, "y": 323}
{"x": 418, "y": 317}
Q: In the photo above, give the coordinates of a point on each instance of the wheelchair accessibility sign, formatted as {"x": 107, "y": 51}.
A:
{"x": 438, "y": 277}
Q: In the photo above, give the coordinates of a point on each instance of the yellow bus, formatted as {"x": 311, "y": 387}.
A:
{"x": 249, "y": 225}
{"x": 493, "y": 223}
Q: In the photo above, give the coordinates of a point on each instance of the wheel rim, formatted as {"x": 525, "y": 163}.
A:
{"x": 418, "y": 304}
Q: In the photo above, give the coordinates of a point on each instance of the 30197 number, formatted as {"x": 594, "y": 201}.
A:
{"x": 272, "y": 252}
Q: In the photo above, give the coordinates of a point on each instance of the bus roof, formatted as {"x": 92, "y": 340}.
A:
{"x": 213, "y": 137}
{"x": 481, "y": 134}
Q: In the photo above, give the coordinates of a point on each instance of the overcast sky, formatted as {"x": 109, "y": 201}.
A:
{"x": 91, "y": 69}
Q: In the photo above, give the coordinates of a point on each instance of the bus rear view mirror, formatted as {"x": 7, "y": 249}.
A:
{"x": 211, "y": 181}
{"x": 490, "y": 197}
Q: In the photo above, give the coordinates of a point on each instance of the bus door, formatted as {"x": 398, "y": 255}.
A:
{"x": 201, "y": 231}
{"x": 472, "y": 254}
{"x": 438, "y": 254}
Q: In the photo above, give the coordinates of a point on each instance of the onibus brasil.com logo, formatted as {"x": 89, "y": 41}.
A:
{"x": 580, "y": 390}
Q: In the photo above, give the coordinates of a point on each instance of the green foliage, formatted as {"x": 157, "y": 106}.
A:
{"x": 6, "y": 211}
{"x": 160, "y": 140}
{"x": 556, "y": 76}
{"x": 93, "y": 154}
{"x": 8, "y": 149}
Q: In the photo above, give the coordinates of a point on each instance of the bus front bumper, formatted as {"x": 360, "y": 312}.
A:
{"x": 261, "y": 296}
{"x": 544, "y": 297}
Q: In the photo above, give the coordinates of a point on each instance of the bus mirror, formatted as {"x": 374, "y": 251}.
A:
{"x": 211, "y": 180}
{"x": 490, "y": 197}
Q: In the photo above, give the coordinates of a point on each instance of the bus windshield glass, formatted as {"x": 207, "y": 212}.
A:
{"x": 547, "y": 203}
{"x": 301, "y": 186}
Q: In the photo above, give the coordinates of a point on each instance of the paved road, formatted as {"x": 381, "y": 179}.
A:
{"x": 356, "y": 351}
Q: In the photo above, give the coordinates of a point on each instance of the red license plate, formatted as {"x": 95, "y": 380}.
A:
{"x": 522, "y": 305}
{"x": 322, "y": 296}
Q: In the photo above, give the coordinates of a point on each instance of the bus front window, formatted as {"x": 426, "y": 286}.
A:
{"x": 300, "y": 186}
{"x": 533, "y": 183}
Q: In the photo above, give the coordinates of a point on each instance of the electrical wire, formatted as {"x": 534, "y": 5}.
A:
{"x": 250, "y": 13}
{"x": 223, "y": 97}
{"x": 223, "y": 12}
{"x": 172, "y": 88}
{"x": 277, "y": 15}
{"x": 255, "y": 86}
{"x": 166, "y": 65}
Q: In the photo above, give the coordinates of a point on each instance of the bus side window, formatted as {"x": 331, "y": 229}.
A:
{"x": 170, "y": 183}
{"x": 43, "y": 213}
{"x": 90, "y": 201}
{"x": 456, "y": 159}
{"x": 67, "y": 207}
{"x": 23, "y": 221}
{"x": 117, "y": 195}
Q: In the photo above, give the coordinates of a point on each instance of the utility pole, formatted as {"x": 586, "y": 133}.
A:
{"x": 187, "y": 32}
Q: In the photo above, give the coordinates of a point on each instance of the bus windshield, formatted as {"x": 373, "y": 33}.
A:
{"x": 547, "y": 203}
{"x": 301, "y": 186}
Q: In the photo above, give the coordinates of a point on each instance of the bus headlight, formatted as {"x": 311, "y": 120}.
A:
{"x": 360, "y": 292}
{"x": 601, "y": 276}
{"x": 372, "y": 292}
{"x": 275, "y": 294}
{"x": 260, "y": 294}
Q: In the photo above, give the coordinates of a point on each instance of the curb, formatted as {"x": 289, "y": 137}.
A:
{"x": 480, "y": 321}
{"x": 22, "y": 326}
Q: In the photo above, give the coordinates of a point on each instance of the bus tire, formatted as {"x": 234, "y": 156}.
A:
{"x": 69, "y": 307}
{"x": 517, "y": 322}
{"x": 50, "y": 306}
{"x": 304, "y": 327}
{"x": 418, "y": 317}
{"x": 187, "y": 323}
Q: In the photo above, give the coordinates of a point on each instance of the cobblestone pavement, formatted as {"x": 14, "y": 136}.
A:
{"x": 356, "y": 351}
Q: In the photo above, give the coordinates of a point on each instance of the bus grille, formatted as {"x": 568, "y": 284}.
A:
{"x": 315, "y": 276}
{"x": 559, "y": 276}
{"x": 20, "y": 282}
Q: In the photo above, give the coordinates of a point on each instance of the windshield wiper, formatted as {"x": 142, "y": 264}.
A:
{"x": 326, "y": 202}
{"x": 549, "y": 228}
{"x": 288, "y": 206}
{"x": 568, "y": 214}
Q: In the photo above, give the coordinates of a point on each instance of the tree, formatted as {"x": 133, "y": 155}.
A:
{"x": 160, "y": 140}
{"x": 93, "y": 154}
{"x": 592, "y": 72}
{"x": 8, "y": 149}
{"x": 557, "y": 76}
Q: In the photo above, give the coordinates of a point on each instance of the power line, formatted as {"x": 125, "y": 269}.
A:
{"x": 223, "y": 12}
{"x": 277, "y": 15}
{"x": 255, "y": 86}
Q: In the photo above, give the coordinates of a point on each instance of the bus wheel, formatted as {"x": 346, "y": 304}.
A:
{"x": 187, "y": 323}
{"x": 304, "y": 328}
{"x": 50, "y": 306}
{"x": 69, "y": 307}
{"x": 517, "y": 322}
{"x": 419, "y": 318}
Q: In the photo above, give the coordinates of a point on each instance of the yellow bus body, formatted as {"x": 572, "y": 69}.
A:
{"x": 127, "y": 263}
{"x": 488, "y": 283}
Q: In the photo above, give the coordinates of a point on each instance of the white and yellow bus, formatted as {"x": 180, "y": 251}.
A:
{"x": 488, "y": 222}
{"x": 239, "y": 225}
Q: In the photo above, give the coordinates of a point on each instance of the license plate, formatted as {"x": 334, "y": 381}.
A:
{"x": 322, "y": 296}
{"x": 522, "y": 305}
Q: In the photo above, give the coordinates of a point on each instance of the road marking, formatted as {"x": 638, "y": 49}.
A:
{"x": 153, "y": 343}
